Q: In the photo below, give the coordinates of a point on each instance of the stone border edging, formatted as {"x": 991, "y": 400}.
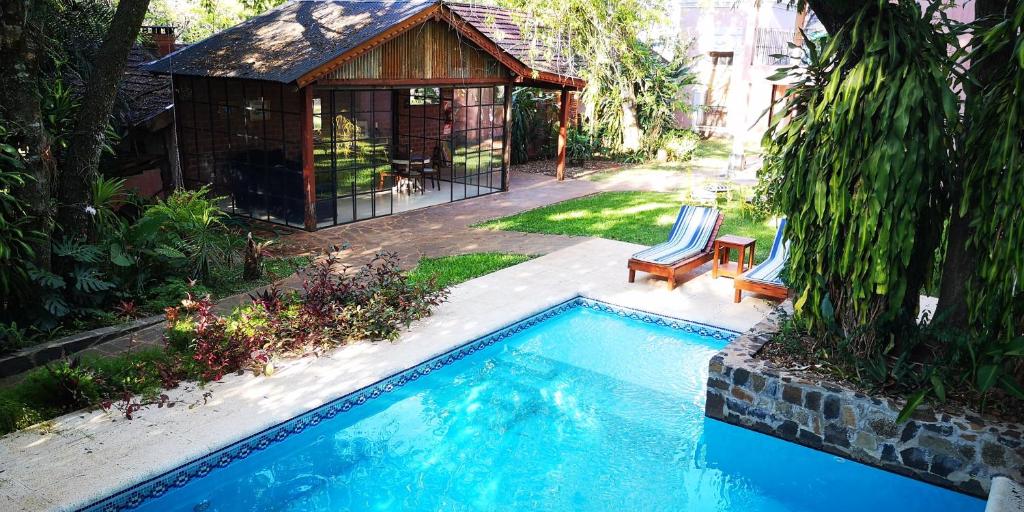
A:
{"x": 961, "y": 452}
{"x": 38, "y": 355}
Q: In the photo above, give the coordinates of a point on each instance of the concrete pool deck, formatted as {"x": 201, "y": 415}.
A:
{"x": 80, "y": 458}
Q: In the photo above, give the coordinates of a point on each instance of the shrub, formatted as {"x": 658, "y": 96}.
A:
{"x": 678, "y": 145}
{"x": 338, "y": 305}
{"x": 580, "y": 146}
{"x": 170, "y": 292}
{"x": 18, "y": 236}
{"x": 860, "y": 171}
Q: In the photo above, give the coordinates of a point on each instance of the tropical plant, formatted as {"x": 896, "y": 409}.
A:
{"x": 580, "y": 146}
{"x": 860, "y": 169}
{"x": 191, "y": 225}
{"x": 994, "y": 177}
{"x": 679, "y": 145}
{"x": 630, "y": 89}
{"x": 19, "y": 234}
{"x": 532, "y": 123}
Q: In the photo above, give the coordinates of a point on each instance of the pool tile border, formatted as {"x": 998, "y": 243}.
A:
{"x": 155, "y": 487}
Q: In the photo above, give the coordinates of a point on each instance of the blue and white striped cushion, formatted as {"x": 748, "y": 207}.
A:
{"x": 689, "y": 236}
{"x": 768, "y": 271}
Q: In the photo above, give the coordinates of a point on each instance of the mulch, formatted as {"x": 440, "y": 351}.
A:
{"x": 587, "y": 168}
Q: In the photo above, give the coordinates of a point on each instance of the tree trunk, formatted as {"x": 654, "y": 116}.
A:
{"x": 961, "y": 262}
{"x": 21, "y": 113}
{"x": 79, "y": 168}
{"x": 833, "y": 14}
{"x": 630, "y": 128}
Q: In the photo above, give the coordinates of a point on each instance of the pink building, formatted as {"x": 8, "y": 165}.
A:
{"x": 737, "y": 44}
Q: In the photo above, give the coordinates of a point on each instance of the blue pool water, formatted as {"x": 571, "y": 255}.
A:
{"x": 586, "y": 410}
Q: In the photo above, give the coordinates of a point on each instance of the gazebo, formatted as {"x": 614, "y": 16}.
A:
{"x": 324, "y": 112}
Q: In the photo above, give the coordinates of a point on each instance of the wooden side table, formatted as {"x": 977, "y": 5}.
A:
{"x": 723, "y": 245}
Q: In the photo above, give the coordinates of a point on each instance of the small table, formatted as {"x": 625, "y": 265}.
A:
{"x": 412, "y": 176}
{"x": 723, "y": 245}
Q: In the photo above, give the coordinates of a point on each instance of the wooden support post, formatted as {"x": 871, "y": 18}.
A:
{"x": 563, "y": 134}
{"x": 308, "y": 174}
{"x": 506, "y": 147}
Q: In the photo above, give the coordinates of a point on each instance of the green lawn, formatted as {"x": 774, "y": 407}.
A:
{"x": 638, "y": 217}
{"x": 452, "y": 270}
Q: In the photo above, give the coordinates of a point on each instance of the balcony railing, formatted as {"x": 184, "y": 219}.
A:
{"x": 771, "y": 46}
{"x": 708, "y": 119}
{"x": 711, "y": 3}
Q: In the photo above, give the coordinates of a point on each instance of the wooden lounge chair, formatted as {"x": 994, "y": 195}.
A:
{"x": 765, "y": 278}
{"x": 690, "y": 244}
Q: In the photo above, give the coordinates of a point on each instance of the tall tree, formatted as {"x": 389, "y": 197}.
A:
{"x": 81, "y": 163}
{"x": 960, "y": 266}
{"x": 834, "y": 14}
{"x": 21, "y": 112}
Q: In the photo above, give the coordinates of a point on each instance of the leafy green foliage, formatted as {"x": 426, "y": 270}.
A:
{"x": 679, "y": 145}
{"x": 374, "y": 302}
{"x": 994, "y": 177}
{"x": 18, "y": 232}
{"x": 191, "y": 224}
{"x": 580, "y": 146}
{"x": 534, "y": 119}
{"x": 859, "y": 170}
{"x": 150, "y": 261}
{"x": 632, "y": 91}
{"x": 199, "y": 19}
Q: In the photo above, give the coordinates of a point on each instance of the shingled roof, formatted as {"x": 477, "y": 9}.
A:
{"x": 506, "y": 28}
{"x": 143, "y": 95}
{"x": 295, "y": 39}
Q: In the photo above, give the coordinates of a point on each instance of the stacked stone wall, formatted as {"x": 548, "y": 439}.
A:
{"x": 960, "y": 451}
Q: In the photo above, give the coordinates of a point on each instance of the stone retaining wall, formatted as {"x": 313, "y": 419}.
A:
{"x": 963, "y": 452}
{"x": 38, "y": 355}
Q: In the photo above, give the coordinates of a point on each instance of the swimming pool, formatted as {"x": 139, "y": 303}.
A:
{"x": 583, "y": 407}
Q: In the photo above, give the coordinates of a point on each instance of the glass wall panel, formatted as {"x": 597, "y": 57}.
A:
{"x": 234, "y": 137}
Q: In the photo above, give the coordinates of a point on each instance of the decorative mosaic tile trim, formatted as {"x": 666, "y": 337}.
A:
{"x": 154, "y": 488}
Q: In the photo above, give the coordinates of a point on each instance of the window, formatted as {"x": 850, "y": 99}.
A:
{"x": 318, "y": 122}
{"x": 424, "y": 96}
{"x": 254, "y": 109}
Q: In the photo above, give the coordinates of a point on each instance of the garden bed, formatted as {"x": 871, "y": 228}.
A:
{"x": 204, "y": 344}
{"x": 572, "y": 170}
{"x": 961, "y": 451}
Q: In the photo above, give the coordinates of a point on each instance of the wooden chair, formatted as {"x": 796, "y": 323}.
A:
{"x": 690, "y": 244}
{"x": 765, "y": 278}
{"x": 441, "y": 161}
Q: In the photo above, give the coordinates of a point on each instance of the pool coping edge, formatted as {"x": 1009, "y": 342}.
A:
{"x": 131, "y": 496}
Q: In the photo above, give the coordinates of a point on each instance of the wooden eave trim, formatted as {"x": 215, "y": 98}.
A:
{"x": 412, "y": 82}
{"x": 373, "y": 42}
{"x": 441, "y": 13}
